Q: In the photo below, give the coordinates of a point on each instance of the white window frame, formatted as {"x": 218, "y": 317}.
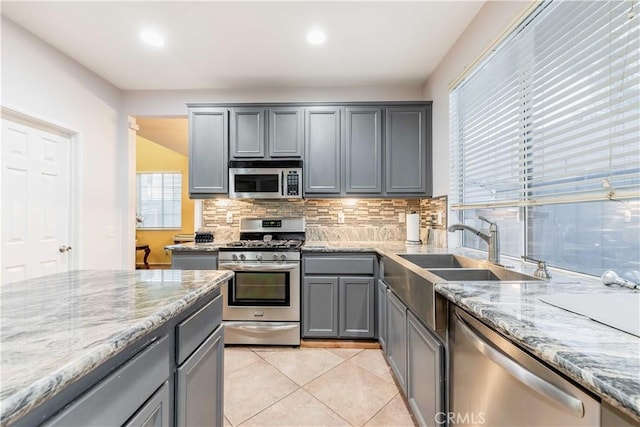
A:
{"x": 140, "y": 211}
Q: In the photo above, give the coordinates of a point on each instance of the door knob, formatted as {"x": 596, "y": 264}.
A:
{"x": 64, "y": 248}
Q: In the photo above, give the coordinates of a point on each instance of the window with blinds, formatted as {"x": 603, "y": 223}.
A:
{"x": 159, "y": 203}
{"x": 552, "y": 118}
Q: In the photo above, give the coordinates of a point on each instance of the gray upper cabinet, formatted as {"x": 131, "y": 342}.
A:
{"x": 208, "y": 152}
{"x": 322, "y": 166}
{"x": 286, "y": 129}
{"x": 406, "y": 150}
{"x": 363, "y": 150}
{"x": 247, "y": 132}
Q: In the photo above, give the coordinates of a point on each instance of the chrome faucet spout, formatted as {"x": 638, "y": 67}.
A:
{"x": 492, "y": 239}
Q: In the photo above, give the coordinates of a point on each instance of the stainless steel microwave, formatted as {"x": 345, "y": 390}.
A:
{"x": 265, "y": 179}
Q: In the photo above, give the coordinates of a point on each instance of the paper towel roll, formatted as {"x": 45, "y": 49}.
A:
{"x": 413, "y": 228}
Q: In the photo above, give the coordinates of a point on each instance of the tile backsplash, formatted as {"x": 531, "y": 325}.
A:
{"x": 364, "y": 219}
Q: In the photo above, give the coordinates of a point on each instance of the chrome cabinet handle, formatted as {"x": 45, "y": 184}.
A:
{"x": 258, "y": 267}
{"x": 64, "y": 248}
{"x": 570, "y": 403}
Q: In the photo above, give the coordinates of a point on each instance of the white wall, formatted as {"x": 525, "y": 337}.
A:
{"x": 173, "y": 102}
{"x": 41, "y": 82}
{"x": 491, "y": 22}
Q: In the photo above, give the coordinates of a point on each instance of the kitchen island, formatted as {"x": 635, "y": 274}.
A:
{"x": 63, "y": 333}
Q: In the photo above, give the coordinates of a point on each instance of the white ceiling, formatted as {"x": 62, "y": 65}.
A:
{"x": 244, "y": 45}
{"x": 239, "y": 44}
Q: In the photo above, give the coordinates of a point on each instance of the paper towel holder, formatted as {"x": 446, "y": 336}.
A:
{"x": 413, "y": 242}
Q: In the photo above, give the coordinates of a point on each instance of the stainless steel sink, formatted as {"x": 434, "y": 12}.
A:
{"x": 440, "y": 261}
{"x": 481, "y": 274}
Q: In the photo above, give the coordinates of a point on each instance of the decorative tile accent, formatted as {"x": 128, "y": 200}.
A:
{"x": 364, "y": 219}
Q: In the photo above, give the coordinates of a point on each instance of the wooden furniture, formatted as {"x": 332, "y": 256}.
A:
{"x": 147, "y": 251}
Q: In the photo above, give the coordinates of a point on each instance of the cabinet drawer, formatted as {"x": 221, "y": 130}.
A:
{"x": 197, "y": 261}
{"x": 340, "y": 265}
{"x": 192, "y": 331}
{"x": 117, "y": 397}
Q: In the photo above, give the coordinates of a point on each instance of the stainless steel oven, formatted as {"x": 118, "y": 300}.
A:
{"x": 261, "y": 304}
{"x": 265, "y": 179}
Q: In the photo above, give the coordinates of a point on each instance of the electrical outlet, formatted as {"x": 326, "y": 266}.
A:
{"x": 401, "y": 217}
{"x": 109, "y": 232}
{"x": 439, "y": 220}
{"x": 340, "y": 217}
{"x": 229, "y": 217}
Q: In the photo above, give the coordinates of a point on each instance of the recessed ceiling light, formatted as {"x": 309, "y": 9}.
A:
{"x": 316, "y": 37}
{"x": 152, "y": 38}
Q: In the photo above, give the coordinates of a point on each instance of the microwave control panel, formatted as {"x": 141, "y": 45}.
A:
{"x": 293, "y": 184}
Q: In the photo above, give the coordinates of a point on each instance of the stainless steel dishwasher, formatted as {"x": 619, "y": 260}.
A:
{"x": 494, "y": 383}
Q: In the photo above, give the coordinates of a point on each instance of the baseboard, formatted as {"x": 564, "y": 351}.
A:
{"x": 324, "y": 343}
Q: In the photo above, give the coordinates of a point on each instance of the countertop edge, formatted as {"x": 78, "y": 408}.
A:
{"x": 28, "y": 398}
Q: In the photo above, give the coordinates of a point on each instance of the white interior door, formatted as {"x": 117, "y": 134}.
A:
{"x": 36, "y": 201}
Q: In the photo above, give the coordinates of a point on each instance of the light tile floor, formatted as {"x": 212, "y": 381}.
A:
{"x": 283, "y": 386}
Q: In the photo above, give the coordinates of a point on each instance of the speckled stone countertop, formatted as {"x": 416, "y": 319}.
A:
{"x": 57, "y": 328}
{"x": 196, "y": 247}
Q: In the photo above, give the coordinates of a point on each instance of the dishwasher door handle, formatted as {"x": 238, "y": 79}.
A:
{"x": 569, "y": 402}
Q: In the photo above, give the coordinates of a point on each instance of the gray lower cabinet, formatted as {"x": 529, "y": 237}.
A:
{"x": 120, "y": 395}
{"x": 397, "y": 339}
{"x": 338, "y": 295}
{"x": 425, "y": 373}
{"x": 246, "y": 136}
{"x": 193, "y": 260}
{"x": 407, "y": 150}
{"x": 154, "y": 413}
{"x": 322, "y": 166}
{"x": 381, "y": 310}
{"x": 356, "y": 307}
{"x": 208, "y": 152}
{"x": 199, "y": 390}
{"x": 363, "y": 150}
{"x": 320, "y": 307}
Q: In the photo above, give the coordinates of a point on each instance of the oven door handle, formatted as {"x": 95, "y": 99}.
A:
{"x": 258, "y": 267}
{"x": 259, "y": 328}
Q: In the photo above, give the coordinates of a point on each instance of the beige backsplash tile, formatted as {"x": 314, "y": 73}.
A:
{"x": 364, "y": 219}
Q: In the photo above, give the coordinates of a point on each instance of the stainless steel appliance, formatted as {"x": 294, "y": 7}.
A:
{"x": 265, "y": 179}
{"x": 261, "y": 304}
{"x": 494, "y": 383}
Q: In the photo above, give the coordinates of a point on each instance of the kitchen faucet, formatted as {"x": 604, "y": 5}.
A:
{"x": 492, "y": 239}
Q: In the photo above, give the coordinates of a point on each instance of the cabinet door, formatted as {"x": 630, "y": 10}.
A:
{"x": 320, "y": 307}
{"x": 363, "y": 146}
{"x": 247, "y": 132}
{"x": 425, "y": 365}
{"x": 406, "y": 150}
{"x": 381, "y": 302}
{"x": 397, "y": 339}
{"x": 357, "y": 303}
{"x": 154, "y": 413}
{"x": 208, "y": 151}
{"x": 285, "y": 132}
{"x": 322, "y": 150}
{"x": 200, "y": 384}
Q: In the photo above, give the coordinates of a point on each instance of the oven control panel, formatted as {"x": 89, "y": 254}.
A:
{"x": 258, "y": 256}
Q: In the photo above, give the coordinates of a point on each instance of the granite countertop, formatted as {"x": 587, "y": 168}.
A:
{"x": 600, "y": 358}
{"x": 56, "y": 329}
{"x": 197, "y": 247}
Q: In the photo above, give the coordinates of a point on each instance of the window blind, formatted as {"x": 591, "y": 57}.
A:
{"x": 159, "y": 200}
{"x": 553, "y": 114}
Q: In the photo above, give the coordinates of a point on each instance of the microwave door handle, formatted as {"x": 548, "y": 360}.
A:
{"x": 282, "y": 183}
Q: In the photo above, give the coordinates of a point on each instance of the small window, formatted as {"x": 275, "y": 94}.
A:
{"x": 159, "y": 200}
